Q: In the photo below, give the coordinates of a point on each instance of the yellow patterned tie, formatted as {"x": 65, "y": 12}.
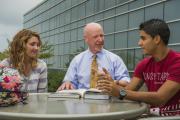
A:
{"x": 94, "y": 69}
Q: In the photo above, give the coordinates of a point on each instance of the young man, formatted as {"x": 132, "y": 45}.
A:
{"x": 78, "y": 74}
{"x": 160, "y": 72}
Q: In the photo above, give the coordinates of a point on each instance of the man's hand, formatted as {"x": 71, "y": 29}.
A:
{"x": 107, "y": 84}
{"x": 121, "y": 83}
{"x": 66, "y": 85}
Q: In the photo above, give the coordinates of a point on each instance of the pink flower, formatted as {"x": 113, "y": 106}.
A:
{"x": 9, "y": 86}
{"x": 1, "y": 66}
{"x": 6, "y": 79}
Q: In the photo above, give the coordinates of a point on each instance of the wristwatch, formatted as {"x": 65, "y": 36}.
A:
{"x": 122, "y": 94}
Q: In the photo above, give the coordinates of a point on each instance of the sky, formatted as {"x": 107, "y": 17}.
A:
{"x": 11, "y": 18}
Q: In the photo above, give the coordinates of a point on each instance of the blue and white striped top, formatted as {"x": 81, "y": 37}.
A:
{"x": 37, "y": 81}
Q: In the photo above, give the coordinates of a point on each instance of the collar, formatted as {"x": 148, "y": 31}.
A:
{"x": 90, "y": 54}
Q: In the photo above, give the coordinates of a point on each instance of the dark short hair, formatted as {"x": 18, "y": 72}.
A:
{"x": 155, "y": 27}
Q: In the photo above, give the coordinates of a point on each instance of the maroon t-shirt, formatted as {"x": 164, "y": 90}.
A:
{"x": 155, "y": 74}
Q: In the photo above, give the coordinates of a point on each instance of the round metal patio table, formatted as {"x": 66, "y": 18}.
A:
{"x": 40, "y": 107}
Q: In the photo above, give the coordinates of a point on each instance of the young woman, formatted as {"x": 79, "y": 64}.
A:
{"x": 23, "y": 56}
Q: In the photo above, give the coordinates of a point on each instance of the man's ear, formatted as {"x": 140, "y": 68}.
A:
{"x": 157, "y": 39}
{"x": 85, "y": 39}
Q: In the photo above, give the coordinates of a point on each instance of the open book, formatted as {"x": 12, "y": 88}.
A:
{"x": 91, "y": 93}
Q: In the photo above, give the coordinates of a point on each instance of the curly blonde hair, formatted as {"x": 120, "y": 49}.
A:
{"x": 17, "y": 49}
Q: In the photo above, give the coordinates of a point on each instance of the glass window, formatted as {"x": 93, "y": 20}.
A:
{"x": 67, "y": 27}
{"x": 67, "y": 3}
{"x": 51, "y": 13}
{"x": 121, "y": 40}
{"x": 131, "y": 61}
{"x": 123, "y": 55}
{"x": 109, "y": 4}
{"x": 171, "y": 10}
{"x": 81, "y": 23}
{"x": 73, "y": 25}
{"x": 85, "y": 46}
{"x": 45, "y": 26}
{"x": 150, "y": 1}
{"x": 81, "y": 12}
{"x": 121, "y": 22}
{"x": 109, "y": 13}
{"x": 74, "y": 2}
{"x": 60, "y": 49}
{"x": 96, "y": 6}
{"x": 51, "y": 33}
{"x": 98, "y": 17}
{"x": 67, "y": 36}
{"x": 80, "y": 33}
{"x": 56, "y": 9}
{"x": 133, "y": 38}
{"x": 138, "y": 56}
{"x": 57, "y": 62}
{"x": 122, "y": 9}
{"x": 109, "y": 26}
{"x": 67, "y": 16}
{"x": 66, "y": 48}
{"x": 80, "y": 44}
{"x": 61, "y": 6}
{"x": 61, "y": 29}
{"x": 51, "y": 61}
{"x": 61, "y": 37}
{"x": 120, "y": 1}
{"x": 136, "y": 4}
{"x": 101, "y": 5}
{"x": 109, "y": 42}
{"x": 175, "y": 47}
{"x": 51, "y": 40}
{"x": 57, "y": 21}
{"x": 101, "y": 23}
{"x": 74, "y": 13}
{"x": 73, "y": 35}
{"x": 62, "y": 61}
{"x": 174, "y": 29}
{"x": 48, "y": 39}
{"x": 56, "y": 39}
{"x": 155, "y": 11}
{"x": 55, "y": 50}
{"x": 89, "y": 7}
{"x": 56, "y": 31}
{"x": 90, "y": 19}
{"x": 135, "y": 18}
{"x": 66, "y": 60}
{"x": 61, "y": 19}
{"x": 73, "y": 47}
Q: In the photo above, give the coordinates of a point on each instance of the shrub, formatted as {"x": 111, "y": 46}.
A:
{"x": 55, "y": 78}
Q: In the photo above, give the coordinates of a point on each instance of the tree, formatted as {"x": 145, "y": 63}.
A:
{"x": 46, "y": 51}
{"x": 5, "y": 53}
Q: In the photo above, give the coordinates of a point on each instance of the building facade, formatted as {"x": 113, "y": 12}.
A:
{"x": 61, "y": 22}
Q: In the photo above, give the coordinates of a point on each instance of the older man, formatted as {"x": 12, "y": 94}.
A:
{"x": 79, "y": 72}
